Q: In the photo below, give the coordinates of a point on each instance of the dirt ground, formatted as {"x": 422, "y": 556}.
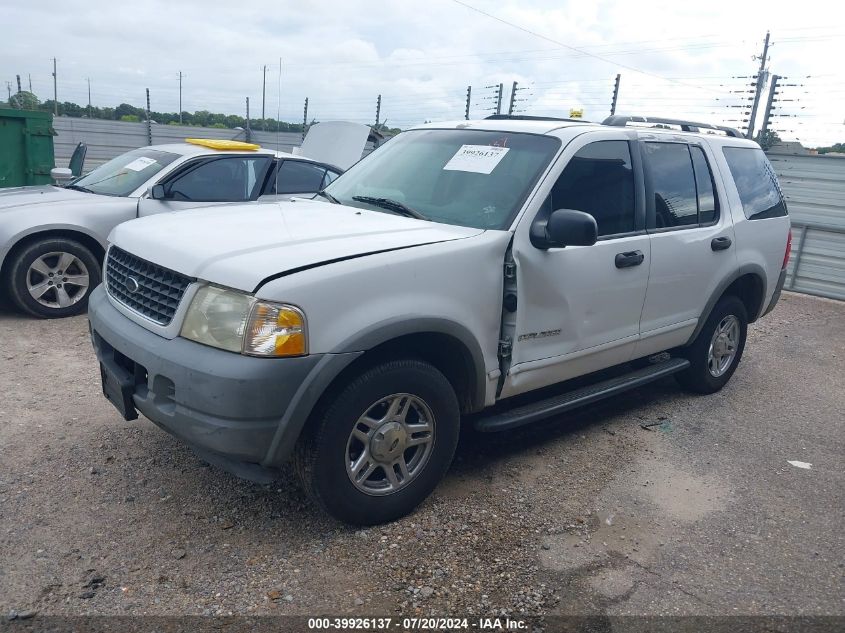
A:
{"x": 654, "y": 502}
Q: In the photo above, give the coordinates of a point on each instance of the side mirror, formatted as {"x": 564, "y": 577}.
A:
{"x": 157, "y": 192}
{"x": 61, "y": 174}
{"x": 564, "y": 227}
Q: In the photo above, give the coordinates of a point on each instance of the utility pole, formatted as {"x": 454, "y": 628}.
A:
{"x": 615, "y": 95}
{"x": 56, "y": 92}
{"x": 499, "y": 98}
{"x": 88, "y": 79}
{"x": 513, "y": 99}
{"x": 30, "y": 81}
{"x": 248, "y": 131}
{"x": 264, "y": 98}
{"x": 761, "y": 81}
{"x": 767, "y": 114}
{"x": 9, "y": 88}
{"x": 19, "y": 83}
{"x": 469, "y": 94}
{"x": 378, "y": 110}
{"x": 149, "y": 122}
{"x": 180, "y": 97}
{"x": 304, "y": 119}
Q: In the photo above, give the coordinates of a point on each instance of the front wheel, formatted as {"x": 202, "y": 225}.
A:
{"x": 717, "y": 350}
{"x": 53, "y": 278}
{"x": 382, "y": 444}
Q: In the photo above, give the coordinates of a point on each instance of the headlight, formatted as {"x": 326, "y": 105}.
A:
{"x": 238, "y": 322}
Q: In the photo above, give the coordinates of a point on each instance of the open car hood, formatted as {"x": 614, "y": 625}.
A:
{"x": 338, "y": 143}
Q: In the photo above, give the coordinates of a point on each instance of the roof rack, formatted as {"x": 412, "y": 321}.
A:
{"x": 528, "y": 117}
{"x": 618, "y": 120}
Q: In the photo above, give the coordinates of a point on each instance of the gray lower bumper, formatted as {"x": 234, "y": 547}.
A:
{"x": 231, "y": 405}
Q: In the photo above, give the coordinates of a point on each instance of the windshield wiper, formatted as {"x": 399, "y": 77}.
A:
{"x": 78, "y": 188}
{"x": 328, "y": 197}
{"x": 391, "y": 205}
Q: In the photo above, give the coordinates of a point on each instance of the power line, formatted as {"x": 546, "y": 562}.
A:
{"x": 572, "y": 48}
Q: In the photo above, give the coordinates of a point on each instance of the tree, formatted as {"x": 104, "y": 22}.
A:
{"x": 767, "y": 139}
{"x": 24, "y": 100}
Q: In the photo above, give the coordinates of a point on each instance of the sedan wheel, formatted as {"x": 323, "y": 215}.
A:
{"x": 58, "y": 280}
{"x": 52, "y": 277}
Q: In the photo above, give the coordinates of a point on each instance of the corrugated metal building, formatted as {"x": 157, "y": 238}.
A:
{"x": 814, "y": 187}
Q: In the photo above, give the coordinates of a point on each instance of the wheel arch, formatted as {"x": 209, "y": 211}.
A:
{"x": 446, "y": 345}
{"x": 747, "y": 284}
{"x": 22, "y": 241}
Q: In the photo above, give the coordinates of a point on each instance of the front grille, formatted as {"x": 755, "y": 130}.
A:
{"x": 159, "y": 290}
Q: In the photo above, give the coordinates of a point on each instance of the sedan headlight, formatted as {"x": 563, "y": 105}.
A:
{"x": 239, "y": 322}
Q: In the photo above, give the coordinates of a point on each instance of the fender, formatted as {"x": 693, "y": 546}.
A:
{"x": 332, "y": 364}
{"x": 46, "y": 228}
{"x": 393, "y": 328}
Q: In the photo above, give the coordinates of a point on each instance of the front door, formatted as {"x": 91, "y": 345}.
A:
{"x": 208, "y": 181}
{"x": 578, "y": 308}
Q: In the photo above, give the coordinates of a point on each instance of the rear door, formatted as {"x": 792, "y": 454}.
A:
{"x": 208, "y": 181}
{"x": 692, "y": 238}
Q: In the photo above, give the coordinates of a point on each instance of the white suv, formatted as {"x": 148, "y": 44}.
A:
{"x": 458, "y": 266}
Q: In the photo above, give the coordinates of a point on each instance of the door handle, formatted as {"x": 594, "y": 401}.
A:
{"x": 631, "y": 258}
{"x": 720, "y": 243}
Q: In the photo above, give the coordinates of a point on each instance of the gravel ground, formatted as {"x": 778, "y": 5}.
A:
{"x": 655, "y": 502}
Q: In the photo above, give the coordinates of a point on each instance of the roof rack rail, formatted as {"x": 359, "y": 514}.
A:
{"x": 528, "y": 117}
{"x": 618, "y": 120}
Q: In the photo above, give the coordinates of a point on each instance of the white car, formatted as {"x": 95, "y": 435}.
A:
{"x": 52, "y": 239}
{"x": 459, "y": 266}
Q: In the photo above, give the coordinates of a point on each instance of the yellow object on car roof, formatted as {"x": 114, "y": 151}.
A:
{"x": 219, "y": 143}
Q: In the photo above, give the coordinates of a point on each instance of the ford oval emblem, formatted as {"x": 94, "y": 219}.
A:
{"x": 132, "y": 285}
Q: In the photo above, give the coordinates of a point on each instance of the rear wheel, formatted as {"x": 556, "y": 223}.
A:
{"x": 382, "y": 444}
{"x": 53, "y": 278}
{"x": 717, "y": 350}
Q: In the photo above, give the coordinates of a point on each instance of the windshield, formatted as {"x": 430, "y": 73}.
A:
{"x": 124, "y": 174}
{"x": 471, "y": 178}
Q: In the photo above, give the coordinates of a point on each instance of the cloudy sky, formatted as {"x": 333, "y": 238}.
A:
{"x": 691, "y": 60}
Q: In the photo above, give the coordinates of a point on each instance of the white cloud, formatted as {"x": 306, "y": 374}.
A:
{"x": 420, "y": 56}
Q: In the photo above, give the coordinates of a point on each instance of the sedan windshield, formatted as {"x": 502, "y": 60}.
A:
{"x": 471, "y": 178}
{"x": 124, "y": 174}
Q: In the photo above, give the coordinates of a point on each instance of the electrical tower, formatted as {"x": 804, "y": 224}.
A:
{"x": 615, "y": 95}
{"x": 767, "y": 114}
{"x": 469, "y": 95}
{"x": 761, "y": 82}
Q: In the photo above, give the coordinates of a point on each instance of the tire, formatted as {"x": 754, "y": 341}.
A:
{"x": 706, "y": 374}
{"x": 37, "y": 267}
{"x": 334, "y": 442}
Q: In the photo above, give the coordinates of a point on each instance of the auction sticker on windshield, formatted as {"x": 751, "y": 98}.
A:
{"x": 141, "y": 163}
{"x": 480, "y": 159}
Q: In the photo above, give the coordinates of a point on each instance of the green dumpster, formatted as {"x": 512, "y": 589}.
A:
{"x": 26, "y": 147}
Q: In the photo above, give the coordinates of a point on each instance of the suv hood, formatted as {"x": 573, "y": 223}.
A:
{"x": 16, "y": 197}
{"x": 240, "y": 246}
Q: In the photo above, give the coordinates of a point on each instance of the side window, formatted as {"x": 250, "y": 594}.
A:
{"x": 599, "y": 180}
{"x": 230, "y": 179}
{"x": 675, "y": 199}
{"x": 296, "y": 176}
{"x": 329, "y": 177}
{"x": 708, "y": 204}
{"x": 756, "y": 183}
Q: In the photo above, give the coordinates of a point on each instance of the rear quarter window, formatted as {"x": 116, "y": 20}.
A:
{"x": 756, "y": 183}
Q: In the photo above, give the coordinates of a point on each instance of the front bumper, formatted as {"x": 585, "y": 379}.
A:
{"x": 232, "y": 406}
